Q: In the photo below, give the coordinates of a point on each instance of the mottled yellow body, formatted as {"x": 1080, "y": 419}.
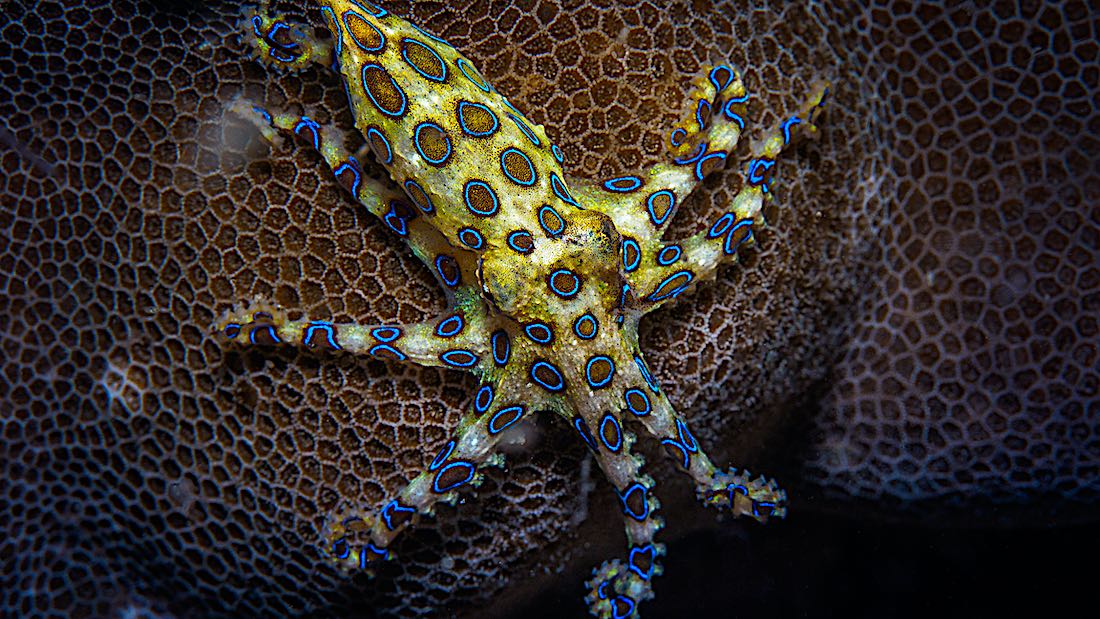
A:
{"x": 546, "y": 277}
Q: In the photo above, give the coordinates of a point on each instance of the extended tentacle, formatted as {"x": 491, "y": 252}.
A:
{"x": 666, "y": 270}
{"x": 282, "y": 44}
{"x": 617, "y": 587}
{"x": 453, "y": 340}
{"x": 732, "y": 491}
{"x": 405, "y": 215}
{"x": 643, "y": 205}
{"x": 357, "y": 541}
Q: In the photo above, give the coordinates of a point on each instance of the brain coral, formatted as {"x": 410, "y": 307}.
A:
{"x": 916, "y": 333}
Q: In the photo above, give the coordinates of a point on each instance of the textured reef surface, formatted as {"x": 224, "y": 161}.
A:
{"x": 914, "y": 337}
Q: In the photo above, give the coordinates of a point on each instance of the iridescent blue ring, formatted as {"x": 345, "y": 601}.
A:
{"x": 471, "y": 74}
{"x": 471, "y": 238}
{"x": 586, "y": 319}
{"x": 450, "y": 326}
{"x": 459, "y": 358}
{"x": 511, "y": 415}
{"x": 588, "y": 371}
{"x": 470, "y": 205}
{"x": 443, "y": 65}
{"x": 459, "y": 463}
{"x": 539, "y": 332}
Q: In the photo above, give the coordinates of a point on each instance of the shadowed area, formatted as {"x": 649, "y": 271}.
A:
{"x": 913, "y": 338}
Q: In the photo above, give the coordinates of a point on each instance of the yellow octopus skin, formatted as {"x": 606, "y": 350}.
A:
{"x": 546, "y": 276}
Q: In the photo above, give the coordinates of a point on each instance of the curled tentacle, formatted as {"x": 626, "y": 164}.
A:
{"x": 737, "y": 491}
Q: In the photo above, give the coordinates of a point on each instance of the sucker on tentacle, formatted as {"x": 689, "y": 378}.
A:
{"x": 546, "y": 276}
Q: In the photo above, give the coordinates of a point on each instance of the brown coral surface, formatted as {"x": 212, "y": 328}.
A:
{"x": 915, "y": 336}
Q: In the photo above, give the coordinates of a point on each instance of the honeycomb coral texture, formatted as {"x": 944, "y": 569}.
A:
{"x": 930, "y": 280}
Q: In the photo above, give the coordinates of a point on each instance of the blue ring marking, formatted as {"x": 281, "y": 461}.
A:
{"x": 340, "y": 548}
{"x": 446, "y": 138}
{"x": 637, "y": 412}
{"x": 383, "y": 553}
{"x": 669, "y": 255}
{"x": 385, "y": 334}
{"x": 648, "y": 549}
{"x": 646, "y": 375}
{"x": 471, "y": 238}
{"x": 442, "y": 64}
{"x": 507, "y": 341}
{"x": 530, "y": 165}
{"x": 371, "y": 8}
{"x": 625, "y": 496}
{"x": 401, "y": 227}
{"x": 327, "y": 328}
{"x": 721, "y": 225}
{"x": 520, "y": 233}
{"x": 586, "y": 434}
{"x": 588, "y": 371}
{"x": 271, "y": 332}
{"x": 720, "y": 87}
{"x": 264, "y": 113}
{"x": 660, "y": 294}
{"x": 734, "y": 116}
{"x": 394, "y": 506}
{"x": 572, "y": 292}
{"x": 686, "y": 438}
{"x": 622, "y": 300}
{"x": 587, "y": 318}
{"x": 282, "y": 56}
{"x": 470, "y": 205}
{"x": 328, "y": 12}
{"x": 364, "y": 561}
{"x": 525, "y": 129}
{"x": 699, "y": 150}
{"x": 790, "y": 122}
{"x": 477, "y": 81}
{"x": 352, "y": 165}
{"x": 539, "y": 332}
{"x": 381, "y": 35}
{"x": 602, "y": 589}
{"x": 389, "y": 151}
{"x": 557, "y": 153}
{"x": 308, "y": 123}
{"x": 431, "y": 36}
{"x": 699, "y": 164}
{"x": 459, "y": 463}
{"x": 484, "y": 398}
{"x": 441, "y": 457}
{"x": 557, "y": 386}
{"x": 699, "y": 114}
{"x": 630, "y": 266}
{"x": 560, "y": 190}
{"x": 467, "y": 130}
{"x": 546, "y": 209}
{"x": 451, "y": 283}
{"x": 757, "y": 169}
{"x": 627, "y": 602}
{"x": 232, "y": 330}
{"x": 459, "y": 358}
{"x": 450, "y": 326}
{"x": 404, "y": 100}
{"x": 427, "y": 209}
{"x": 672, "y": 137}
{"x": 623, "y": 184}
{"x": 653, "y": 214}
{"x": 387, "y": 348}
{"x": 515, "y": 411}
{"x": 730, "y": 250}
{"x": 610, "y": 419}
{"x": 683, "y": 451}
